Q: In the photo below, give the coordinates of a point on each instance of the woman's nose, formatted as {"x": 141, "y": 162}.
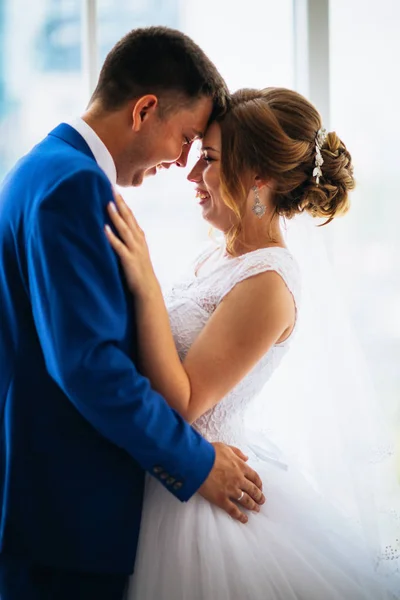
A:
{"x": 196, "y": 174}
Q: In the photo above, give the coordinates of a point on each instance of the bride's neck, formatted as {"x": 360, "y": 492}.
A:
{"x": 257, "y": 234}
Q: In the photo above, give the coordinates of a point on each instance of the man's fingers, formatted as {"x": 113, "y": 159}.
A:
{"x": 234, "y": 511}
{"x": 230, "y": 479}
{"x": 252, "y": 476}
{"x": 254, "y": 492}
{"x": 239, "y": 453}
{"x": 247, "y": 502}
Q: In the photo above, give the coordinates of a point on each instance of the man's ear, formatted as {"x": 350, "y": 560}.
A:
{"x": 143, "y": 108}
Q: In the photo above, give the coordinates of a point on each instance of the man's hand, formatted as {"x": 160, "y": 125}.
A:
{"x": 230, "y": 479}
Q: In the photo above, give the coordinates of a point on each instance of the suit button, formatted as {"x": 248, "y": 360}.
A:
{"x": 177, "y": 485}
{"x": 157, "y": 470}
{"x": 170, "y": 480}
{"x": 164, "y": 475}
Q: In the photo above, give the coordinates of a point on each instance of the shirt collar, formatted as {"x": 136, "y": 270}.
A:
{"x": 98, "y": 148}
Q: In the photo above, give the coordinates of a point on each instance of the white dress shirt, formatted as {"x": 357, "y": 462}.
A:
{"x": 98, "y": 148}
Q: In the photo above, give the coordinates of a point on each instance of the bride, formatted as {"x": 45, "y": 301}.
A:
{"x": 211, "y": 347}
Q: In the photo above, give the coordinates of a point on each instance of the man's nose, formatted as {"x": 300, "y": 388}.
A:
{"x": 182, "y": 160}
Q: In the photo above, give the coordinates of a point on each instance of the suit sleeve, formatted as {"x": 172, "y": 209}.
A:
{"x": 81, "y": 314}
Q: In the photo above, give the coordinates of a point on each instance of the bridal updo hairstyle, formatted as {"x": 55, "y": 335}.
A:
{"x": 272, "y": 132}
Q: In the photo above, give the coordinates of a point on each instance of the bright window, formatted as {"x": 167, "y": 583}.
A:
{"x": 366, "y": 243}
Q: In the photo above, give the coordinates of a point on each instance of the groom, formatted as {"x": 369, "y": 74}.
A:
{"x": 79, "y": 424}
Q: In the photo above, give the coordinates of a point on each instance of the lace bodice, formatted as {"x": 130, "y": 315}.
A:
{"x": 192, "y": 301}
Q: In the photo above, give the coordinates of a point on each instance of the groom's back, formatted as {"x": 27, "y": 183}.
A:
{"x": 68, "y": 496}
{"x": 22, "y": 194}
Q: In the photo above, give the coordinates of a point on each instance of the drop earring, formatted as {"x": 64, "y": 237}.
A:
{"x": 258, "y": 207}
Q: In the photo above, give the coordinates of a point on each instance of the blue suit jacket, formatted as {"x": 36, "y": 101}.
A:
{"x": 79, "y": 424}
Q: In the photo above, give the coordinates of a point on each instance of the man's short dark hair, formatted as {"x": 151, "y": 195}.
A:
{"x": 160, "y": 61}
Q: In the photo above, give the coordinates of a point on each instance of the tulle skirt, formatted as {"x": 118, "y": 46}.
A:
{"x": 296, "y": 548}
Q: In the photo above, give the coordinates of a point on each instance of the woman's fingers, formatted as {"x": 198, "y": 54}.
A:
{"x": 120, "y": 224}
{"x": 119, "y": 247}
{"x": 126, "y": 213}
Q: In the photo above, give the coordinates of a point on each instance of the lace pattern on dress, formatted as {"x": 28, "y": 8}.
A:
{"x": 190, "y": 304}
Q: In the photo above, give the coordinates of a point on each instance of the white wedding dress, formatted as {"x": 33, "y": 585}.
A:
{"x": 297, "y": 547}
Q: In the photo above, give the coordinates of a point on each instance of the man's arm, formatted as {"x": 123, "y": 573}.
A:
{"x": 80, "y": 311}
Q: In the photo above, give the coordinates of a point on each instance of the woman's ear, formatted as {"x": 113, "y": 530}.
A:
{"x": 261, "y": 183}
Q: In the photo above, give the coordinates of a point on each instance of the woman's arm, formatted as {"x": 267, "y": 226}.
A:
{"x": 255, "y": 315}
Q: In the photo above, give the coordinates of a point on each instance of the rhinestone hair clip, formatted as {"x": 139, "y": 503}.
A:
{"x": 319, "y": 161}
